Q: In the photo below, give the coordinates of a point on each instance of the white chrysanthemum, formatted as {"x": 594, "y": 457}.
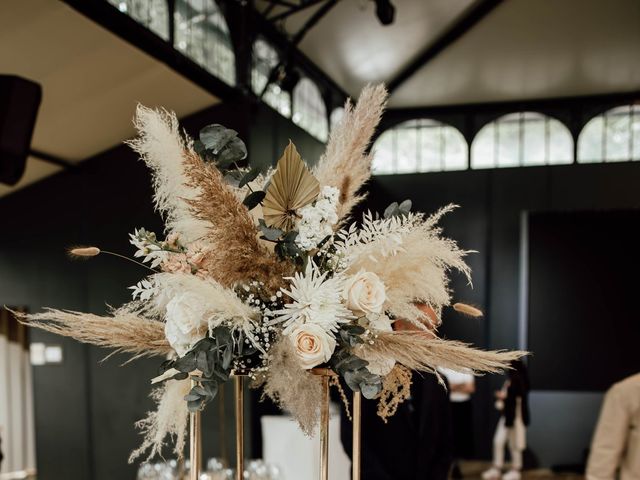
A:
{"x": 316, "y": 299}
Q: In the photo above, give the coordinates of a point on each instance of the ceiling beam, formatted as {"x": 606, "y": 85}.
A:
{"x": 468, "y": 20}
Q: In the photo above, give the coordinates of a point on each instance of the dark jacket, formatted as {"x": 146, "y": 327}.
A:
{"x": 518, "y": 388}
{"x": 415, "y": 444}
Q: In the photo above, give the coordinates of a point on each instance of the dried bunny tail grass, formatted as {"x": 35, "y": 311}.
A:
{"x": 170, "y": 418}
{"x": 345, "y": 163}
{"x": 291, "y": 387}
{"x": 163, "y": 149}
{"x": 422, "y": 352}
{"x": 124, "y": 330}
{"x": 236, "y": 255}
{"x": 467, "y": 309}
{"x": 396, "y": 388}
{"x": 83, "y": 253}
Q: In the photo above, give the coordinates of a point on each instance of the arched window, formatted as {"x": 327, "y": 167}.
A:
{"x": 336, "y": 116}
{"x": 522, "y": 139}
{"x": 613, "y": 136}
{"x": 153, "y": 14}
{"x": 201, "y": 33}
{"x": 422, "y": 145}
{"x": 265, "y": 58}
{"x": 309, "y": 110}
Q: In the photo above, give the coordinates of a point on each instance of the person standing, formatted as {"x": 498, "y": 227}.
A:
{"x": 513, "y": 401}
{"x": 616, "y": 442}
{"x": 461, "y": 386}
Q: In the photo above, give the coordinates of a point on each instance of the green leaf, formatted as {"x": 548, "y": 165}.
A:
{"x": 186, "y": 363}
{"x": 216, "y": 137}
{"x": 181, "y": 376}
{"x": 405, "y": 207}
{"x": 235, "y": 151}
{"x": 194, "y": 405}
{"x": 227, "y": 356}
{"x": 391, "y": 210}
{"x": 249, "y": 177}
{"x": 370, "y": 391}
{"x": 270, "y": 233}
{"x": 253, "y": 199}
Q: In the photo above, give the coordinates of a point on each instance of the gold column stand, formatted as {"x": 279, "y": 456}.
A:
{"x": 239, "y": 401}
{"x": 357, "y": 435}
{"x": 325, "y": 374}
{"x": 195, "y": 443}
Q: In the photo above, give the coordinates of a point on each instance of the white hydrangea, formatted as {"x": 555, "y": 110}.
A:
{"x": 317, "y": 220}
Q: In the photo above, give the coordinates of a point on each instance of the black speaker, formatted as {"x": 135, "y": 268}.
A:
{"x": 19, "y": 102}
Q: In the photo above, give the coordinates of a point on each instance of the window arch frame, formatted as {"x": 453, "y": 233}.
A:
{"x": 422, "y": 124}
{"x": 565, "y": 157}
{"x": 277, "y": 98}
{"x": 315, "y": 104}
{"x": 601, "y": 120}
{"x": 223, "y": 45}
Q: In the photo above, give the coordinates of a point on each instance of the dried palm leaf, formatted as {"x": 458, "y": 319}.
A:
{"x": 291, "y": 188}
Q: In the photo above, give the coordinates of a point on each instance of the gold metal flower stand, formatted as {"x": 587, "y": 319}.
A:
{"x": 325, "y": 375}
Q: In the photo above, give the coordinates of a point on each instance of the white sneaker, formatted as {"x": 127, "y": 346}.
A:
{"x": 492, "y": 474}
{"x": 512, "y": 475}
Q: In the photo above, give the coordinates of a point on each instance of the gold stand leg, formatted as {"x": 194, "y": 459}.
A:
{"x": 239, "y": 390}
{"x": 324, "y": 430}
{"x": 357, "y": 434}
{"x": 195, "y": 444}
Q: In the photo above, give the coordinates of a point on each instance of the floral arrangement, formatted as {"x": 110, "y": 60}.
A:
{"x": 263, "y": 274}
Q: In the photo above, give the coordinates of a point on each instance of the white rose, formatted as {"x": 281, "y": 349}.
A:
{"x": 184, "y": 322}
{"x": 313, "y": 345}
{"x": 364, "y": 293}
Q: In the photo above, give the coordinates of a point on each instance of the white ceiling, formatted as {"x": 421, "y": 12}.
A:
{"x": 528, "y": 49}
{"x": 523, "y": 49}
{"x": 91, "y": 81}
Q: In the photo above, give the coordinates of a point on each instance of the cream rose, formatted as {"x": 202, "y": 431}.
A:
{"x": 364, "y": 293}
{"x": 184, "y": 322}
{"x": 313, "y": 345}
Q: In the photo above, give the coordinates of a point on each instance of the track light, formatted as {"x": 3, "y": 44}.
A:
{"x": 385, "y": 11}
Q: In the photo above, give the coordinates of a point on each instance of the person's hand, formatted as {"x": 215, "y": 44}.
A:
{"x": 500, "y": 394}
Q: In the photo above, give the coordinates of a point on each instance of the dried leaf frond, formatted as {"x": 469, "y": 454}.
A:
{"x": 291, "y": 187}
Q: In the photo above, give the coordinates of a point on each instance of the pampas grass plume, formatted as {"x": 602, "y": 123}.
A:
{"x": 467, "y": 309}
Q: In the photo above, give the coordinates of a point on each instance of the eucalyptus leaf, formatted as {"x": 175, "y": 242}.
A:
{"x": 181, "y": 376}
{"x": 253, "y": 199}
{"x": 249, "y": 177}
{"x": 270, "y": 233}
{"x": 391, "y": 210}
{"x": 370, "y": 391}
{"x": 216, "y": 137}
{"x": 235, "y": 151}
{"x": 186, "y": 363}
{"x": 194, "y": 405}
{"x": 405, "y": 207}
